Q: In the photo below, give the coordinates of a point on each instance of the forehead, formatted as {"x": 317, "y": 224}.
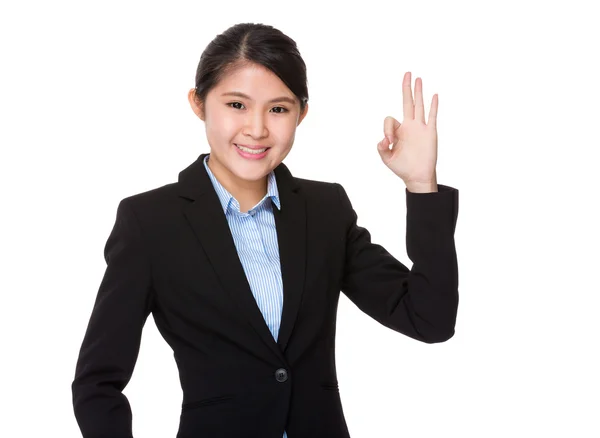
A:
{"x": 256, "y": 81}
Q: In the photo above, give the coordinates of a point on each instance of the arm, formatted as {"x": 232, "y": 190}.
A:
{"x": 112, "y": 340}
{"x": 421, "y": 303}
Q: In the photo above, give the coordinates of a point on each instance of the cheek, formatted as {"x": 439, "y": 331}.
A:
{"x": 285, "y": 132}
{"x": 221, "y": 129}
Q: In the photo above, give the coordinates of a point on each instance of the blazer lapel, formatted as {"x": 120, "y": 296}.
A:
{"x": 206, "y": 218}
{"x": 290, "y": 222}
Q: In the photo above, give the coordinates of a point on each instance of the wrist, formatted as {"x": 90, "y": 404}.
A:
{"x": 422, "y": 187}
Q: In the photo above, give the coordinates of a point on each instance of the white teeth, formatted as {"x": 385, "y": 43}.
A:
{"x": 251, "y": 151}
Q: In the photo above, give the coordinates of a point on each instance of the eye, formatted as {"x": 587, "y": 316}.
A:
{"x": 281, "y": 109}
{"x": 235, "y": 103}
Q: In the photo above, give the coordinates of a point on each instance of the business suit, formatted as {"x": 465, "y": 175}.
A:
{"x": 171, "y": 254}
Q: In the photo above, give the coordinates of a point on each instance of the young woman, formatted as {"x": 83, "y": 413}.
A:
{"x": 241, "y": 263}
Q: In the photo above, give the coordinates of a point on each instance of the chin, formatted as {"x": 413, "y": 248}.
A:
{"x": 249, "y": 171}
{"x": 251, "y": 176}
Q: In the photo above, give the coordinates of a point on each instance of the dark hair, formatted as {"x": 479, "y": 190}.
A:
{"x": 249, "y": 43}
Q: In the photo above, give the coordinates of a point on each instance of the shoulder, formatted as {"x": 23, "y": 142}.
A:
{"x": 326, "y": 198}
{"x": 329, "y": 192}
{"x": 315, "y": 186}
{"x": 154, "y": 199}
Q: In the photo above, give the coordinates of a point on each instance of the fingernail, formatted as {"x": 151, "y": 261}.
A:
{"x": 390, "y": 139}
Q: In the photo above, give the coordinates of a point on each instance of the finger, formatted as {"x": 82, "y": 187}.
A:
{"x": 407, "y": 97}
{"x": 383, "y": 147}
{"x": 382, "y": 144}
{"x": 419, "y": 107}
{"x": 390, "y": 125}
{"x": 432, "y": 119}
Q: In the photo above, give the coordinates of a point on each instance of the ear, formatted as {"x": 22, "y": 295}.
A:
{"x": 303, "y": 114}
{"x": 197, "y": 107}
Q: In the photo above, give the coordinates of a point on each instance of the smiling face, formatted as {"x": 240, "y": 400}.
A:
{"x": 252, "y": 107}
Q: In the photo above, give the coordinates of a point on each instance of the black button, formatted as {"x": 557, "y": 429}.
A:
{"x": 281, "y": 375}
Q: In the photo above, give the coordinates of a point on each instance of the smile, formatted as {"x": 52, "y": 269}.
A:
{"x": 251, "y": 154}
{"x": 251, "y": 151}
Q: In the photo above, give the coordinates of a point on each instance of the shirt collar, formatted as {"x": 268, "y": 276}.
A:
{"x": 227, "y": 198}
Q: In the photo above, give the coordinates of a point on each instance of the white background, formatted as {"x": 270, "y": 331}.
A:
{"x": 94, "y": 109}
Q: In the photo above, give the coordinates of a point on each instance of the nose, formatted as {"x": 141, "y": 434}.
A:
{"x": 256, "y": 126}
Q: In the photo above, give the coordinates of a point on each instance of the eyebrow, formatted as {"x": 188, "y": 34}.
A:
{"x": 245, "y": 96}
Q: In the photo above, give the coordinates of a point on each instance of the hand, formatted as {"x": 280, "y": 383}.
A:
{"x": 413, "y": 156}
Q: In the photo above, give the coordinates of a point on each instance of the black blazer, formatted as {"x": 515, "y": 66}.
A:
{"x": 171, "y": 254}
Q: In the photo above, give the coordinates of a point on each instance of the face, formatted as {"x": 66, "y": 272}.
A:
{"x": 265, "y": 114}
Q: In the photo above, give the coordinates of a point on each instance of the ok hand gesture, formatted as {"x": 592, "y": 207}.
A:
{"x": 413, "y": 156}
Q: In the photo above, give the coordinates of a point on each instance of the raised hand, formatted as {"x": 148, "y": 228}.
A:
{"x": 413, "y": 156}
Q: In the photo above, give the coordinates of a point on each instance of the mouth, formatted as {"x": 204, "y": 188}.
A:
{"x": 248, "y": 148}
{"x": 251, "y": 152}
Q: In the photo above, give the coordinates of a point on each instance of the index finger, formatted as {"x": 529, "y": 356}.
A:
{"x": 407, "y": 97}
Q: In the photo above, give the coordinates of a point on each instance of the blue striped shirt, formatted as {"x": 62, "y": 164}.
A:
{"x": 255, "y": 238}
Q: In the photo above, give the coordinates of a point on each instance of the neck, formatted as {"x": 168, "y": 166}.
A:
{"x": 246, "y": 192}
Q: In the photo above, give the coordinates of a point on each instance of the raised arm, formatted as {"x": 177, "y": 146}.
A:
{"x": 420, "y": 302}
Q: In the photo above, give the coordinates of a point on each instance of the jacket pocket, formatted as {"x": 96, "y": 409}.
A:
{"x": 206, "y": 402}
{"x": 330, "y": 386}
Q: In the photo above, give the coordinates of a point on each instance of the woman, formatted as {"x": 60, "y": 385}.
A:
{"x": 241, "y": 264}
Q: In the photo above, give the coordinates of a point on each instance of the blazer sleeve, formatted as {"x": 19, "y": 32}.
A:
{"x": 420, "y": 302}
{"x": 111, "y": 343}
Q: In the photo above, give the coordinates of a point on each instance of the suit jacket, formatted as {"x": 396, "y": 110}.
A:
{"x": 171, "y": 253}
